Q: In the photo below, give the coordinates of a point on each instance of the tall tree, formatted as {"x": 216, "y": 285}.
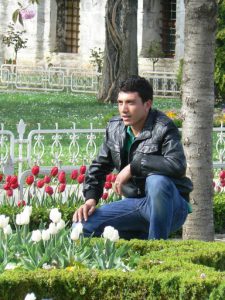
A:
{"x": 198, "y": 107}
{"x": 120, "y": 59}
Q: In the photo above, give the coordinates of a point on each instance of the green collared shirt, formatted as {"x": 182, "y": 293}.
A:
{"x": 129, "y": 139}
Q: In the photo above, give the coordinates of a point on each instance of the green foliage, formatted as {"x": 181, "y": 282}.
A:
{"x": 14, "y": 38}
{"x": 167, "y": 270}
{"x": 155, "y": 52}
{"x": 219, "y": 212}
{"x": 220, "y": 51}
{"x": 96, "y": 58}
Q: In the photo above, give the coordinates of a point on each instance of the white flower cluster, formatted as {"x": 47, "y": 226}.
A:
{"x": 76, "y": 231}
{"x": 4, "y": 225}
{"x": 24, "y": 217}
{"x": 57, "y": 224}
{"x": 111, "y": 234}
{"x": 30, "y": 296}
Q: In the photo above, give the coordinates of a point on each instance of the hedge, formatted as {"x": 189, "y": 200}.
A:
{"x": 167, "y": 270}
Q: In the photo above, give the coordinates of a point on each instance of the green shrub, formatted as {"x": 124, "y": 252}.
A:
{"x": 167, "y": 270}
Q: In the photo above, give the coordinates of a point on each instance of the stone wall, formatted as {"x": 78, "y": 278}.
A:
{"x": 41, "y": 32}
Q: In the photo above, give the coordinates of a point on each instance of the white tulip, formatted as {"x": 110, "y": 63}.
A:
{"x": 53, "y": 228}
{"x": 45, "y": 235}
{"x": 61, "y": 224}
{"x": 28, "y": 210}
{"x": 4, "y": 221}
{"x": 7, "y": 230}
{"x": 30, "y": 296}
{"x": 111, "y": 234}
{"x": 76, "y": 231}
{"x": 36, "y": 236}
{"x": 10, "y": 266}
{"x": 18, "y": 219}
{"x": 25, "y": 217}
{"x": 55, "y": 216}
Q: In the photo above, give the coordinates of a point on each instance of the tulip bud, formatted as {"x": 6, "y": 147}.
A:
{"x": 14, "y": 186}
{"x": 76, "y": 231}
{"x": 83, "y": 169}
{"x": 55, "y": 216}
{"x": 4, "y": 221}
{"x": 61, "y": 187}
{"x": 74, "y": 175}
{"x": 9, "y": 193}
{"x": 52, "y": 228}
{"x": 80, "y": 178}
{"x": 30, "y": 179}
{"x": 109, "y": 178}
{"x": 61, "y": 224}
{"x": 35, "y": 170}
{"x": 108, "y": 185}
{"x": 222, "y": 174}
{"x": 21, "y": 203}
{"x": 36, "y": 236}
{"x": 7, "y": 230}
{"x": 62, "y": 177}
{"x": 113, "y": 178}
{"x": 13, "y": 179}
{"x": 54, "y": 171}
{"x": 6, "y": 186}
{"x": 111, "y": 234}
{"x": 45, "y": 235}
{"x": 47, "y": 179}
{"x": 49, "y": 190}
{"x": 1, "y": 177}
{"x": 105, "y": 196}
{"x": 8, "y": 178}
{"x": 40, "y": 183}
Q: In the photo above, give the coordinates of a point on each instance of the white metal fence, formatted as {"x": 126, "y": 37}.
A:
{"x": 24, "y": 78}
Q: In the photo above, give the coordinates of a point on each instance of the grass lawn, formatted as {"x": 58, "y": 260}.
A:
{"x": 49, "y": 108}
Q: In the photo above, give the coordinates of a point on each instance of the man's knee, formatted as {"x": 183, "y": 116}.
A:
{"x": 157, "y": 184}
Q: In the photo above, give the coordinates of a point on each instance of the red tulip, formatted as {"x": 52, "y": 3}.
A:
{"x": 222, "y": 174}
{"x": 113, "y": 178}
{"x": 62, "y": 187}
{"x": 40, "y": 183}
{"x": 222, "y": 182}
{"x": 74, "y": 175}
{"x": 49, "y": 190}
{"x": 14, "y": 185}
{"x": 54, "y": 171}
{"x": 8, "y": 178}
{"x": 83, "y": 169}
{"x": 80, "y": 178}
{"x": 105, "y": 196}
{"x": 9, "y": 193}
{"x": 13, "y": 179}
{"x": 6, "y": 186}
{"x": 62, "y": 177}
{"x": 109, "y": 177}
{"x": 21, "y": 203}
{"x": 29, "y": 179}
{"x": 47, "y": 179}
{"x": 1, "y": 177}
{"x": 35, "y": 170}
{"x": 108, "y": 185}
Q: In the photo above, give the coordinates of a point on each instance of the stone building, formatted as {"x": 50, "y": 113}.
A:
{"x": 63, "y": 32}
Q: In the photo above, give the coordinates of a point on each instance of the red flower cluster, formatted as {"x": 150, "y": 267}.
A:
{"x": 11, "y": 183}
{"x": 110, "y": 179}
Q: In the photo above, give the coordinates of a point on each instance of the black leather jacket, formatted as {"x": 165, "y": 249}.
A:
{"x": 156, "y": 150}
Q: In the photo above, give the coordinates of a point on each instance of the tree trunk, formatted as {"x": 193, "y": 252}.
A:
{"x": 120, "y": 57}
{"x": 198, "y": 107}
{"x": 60, "y": 26}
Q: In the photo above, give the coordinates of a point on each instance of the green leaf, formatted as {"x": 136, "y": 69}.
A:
{"x": 15, "y": 15}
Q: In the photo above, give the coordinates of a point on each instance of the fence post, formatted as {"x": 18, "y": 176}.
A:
{"x": 21, "y": 130}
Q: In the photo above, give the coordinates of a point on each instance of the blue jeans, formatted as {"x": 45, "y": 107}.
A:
{"x": 160, "y": 212}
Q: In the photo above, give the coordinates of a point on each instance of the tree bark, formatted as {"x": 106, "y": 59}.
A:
{"x": 198, "y": 107}
{"x": 120, "y": 57}
{"x": 60, "y": 26}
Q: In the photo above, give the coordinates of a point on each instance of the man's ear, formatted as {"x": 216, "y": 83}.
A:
{"x": 148, "y": 105}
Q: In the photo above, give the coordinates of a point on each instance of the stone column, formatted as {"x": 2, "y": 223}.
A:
{"x": 180, "y": 16}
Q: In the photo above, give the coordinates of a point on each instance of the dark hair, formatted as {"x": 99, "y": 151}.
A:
{"x": 137, "y": 84}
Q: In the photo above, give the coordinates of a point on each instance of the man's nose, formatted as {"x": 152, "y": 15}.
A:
{"x": 124, "y": 107}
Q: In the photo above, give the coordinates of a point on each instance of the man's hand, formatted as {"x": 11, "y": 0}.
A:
{"x": 123, "y": 176}
{"x": 84, "y": 211}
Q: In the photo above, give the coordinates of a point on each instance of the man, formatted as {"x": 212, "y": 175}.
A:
{"x": 143, "y": 144}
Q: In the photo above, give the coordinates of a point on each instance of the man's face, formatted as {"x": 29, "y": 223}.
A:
{"x": 132, "y": 110}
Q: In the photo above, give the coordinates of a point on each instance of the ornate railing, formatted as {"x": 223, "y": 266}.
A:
{"x": 74, "y": 80}
{"x": 65, "y": 148}
{"x": 48, "y": 79}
